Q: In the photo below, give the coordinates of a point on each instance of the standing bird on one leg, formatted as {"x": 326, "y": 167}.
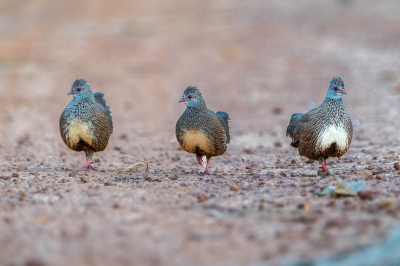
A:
{"x": 86, "y": 123}
{"x": 200, "y": 130}
{"x": 325, "y": 131}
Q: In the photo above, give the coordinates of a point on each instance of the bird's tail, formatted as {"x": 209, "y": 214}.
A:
{"x": 224, "y": 119}
{"x": 291, "y": 129}
{"x": 99, "y": 97}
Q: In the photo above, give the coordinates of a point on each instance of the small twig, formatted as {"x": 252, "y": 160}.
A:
{"x": 140, "y": 162}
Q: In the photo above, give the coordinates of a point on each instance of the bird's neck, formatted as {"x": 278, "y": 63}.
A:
{"x": 200, "y": 106}
{"x": 85, "y": 99}
{"x": 334, "y": 101}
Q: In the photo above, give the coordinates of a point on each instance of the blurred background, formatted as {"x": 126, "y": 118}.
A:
{"x": 260, "y": 61}
{"x": 266, "y": 59}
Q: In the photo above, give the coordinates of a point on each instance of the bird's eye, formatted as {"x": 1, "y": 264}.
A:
{"x": 191, "y": 96}
{"x": 335, "y": 88}
{"x": 79, "y": 89}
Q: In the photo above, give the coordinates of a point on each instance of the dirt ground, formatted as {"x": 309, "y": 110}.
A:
{"x": 260, "y": 61}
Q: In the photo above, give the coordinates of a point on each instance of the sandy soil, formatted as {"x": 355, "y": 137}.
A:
{"x": 260, "y": 61}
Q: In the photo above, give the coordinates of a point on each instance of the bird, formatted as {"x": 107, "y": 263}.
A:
{"x": 325, "y": 131}
{"x": 86, "y": 123}
{"x": 200, "y": 130}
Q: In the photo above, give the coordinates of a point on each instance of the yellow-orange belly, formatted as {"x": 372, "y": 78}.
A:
{"x": 193, "y": 139}
{"x": 78, "y": 131}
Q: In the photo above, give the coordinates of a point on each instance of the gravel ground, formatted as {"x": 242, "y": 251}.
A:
{"x": 260, "y": 61}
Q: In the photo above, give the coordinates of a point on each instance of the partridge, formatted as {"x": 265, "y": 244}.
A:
{"x": 323, "y": 132}
{"x": 86, "y": 123}
{"x": 200, "y": 130}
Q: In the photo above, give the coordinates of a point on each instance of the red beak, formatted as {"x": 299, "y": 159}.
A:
{"x": 183, "y": 99}
{"x": 71, "y": 92}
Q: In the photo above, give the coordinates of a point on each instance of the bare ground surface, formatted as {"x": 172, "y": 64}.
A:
{"x": 260, "y": 61}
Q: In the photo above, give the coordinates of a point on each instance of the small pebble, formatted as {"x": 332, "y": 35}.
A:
{"x": 378, "y": 170}
{"x": 22, "y": 168}
{"x": 248, "y": 151}
{"x": 366, "y": 195}
{"x": 234, "y": 187}
{"x": 174, "y": 177}
{"x": 367, "y": 175}
{"x": 396, "y": 166}
{"x": 15, "y": 175}
{"x": 85, "y": 179}
{"x": 252, "y": 166}
{"x": 108, "y": 183}
{"x": 304, "y": 206}
{"x": 387, "y": 204}
{"x": 380, "y": 177}
{"x": 152, "y": 178}
{"x": 22, "y": 195}
{"x": 202, "y": 197}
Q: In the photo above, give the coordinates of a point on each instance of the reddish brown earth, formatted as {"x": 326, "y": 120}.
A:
{"x": 260, "y": 61}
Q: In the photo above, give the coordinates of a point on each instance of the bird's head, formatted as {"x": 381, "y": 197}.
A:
{"x": 192, "y": 97}
{"x": 336, "y": 89}
{"x": 80, "y": 89}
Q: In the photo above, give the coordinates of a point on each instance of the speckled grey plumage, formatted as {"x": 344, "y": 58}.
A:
{"x": 198, "y": 118}
{"x": 306, "y": 130}
{"x": 90, "y": 110}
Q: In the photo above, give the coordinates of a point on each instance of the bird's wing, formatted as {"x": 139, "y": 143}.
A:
{"x": 99, "y": 97}
{"x": 296, "y": 125}
{"x": 224, "y": 120}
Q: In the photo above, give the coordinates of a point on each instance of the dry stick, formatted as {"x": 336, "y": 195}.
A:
{"x": 140, "y": 162}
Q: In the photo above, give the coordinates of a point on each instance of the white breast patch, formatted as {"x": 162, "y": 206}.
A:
{"x": 331, "y": 135}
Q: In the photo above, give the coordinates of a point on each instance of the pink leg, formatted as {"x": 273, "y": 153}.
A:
{"x": 200, "y": 159}
{"x": 207, "y": 166}
{"x": 87, "y": 166}
{"x": 324, "y": 169}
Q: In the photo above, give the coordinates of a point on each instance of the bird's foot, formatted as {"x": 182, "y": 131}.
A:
{"x": 205, "y": 173}
{"x": 87, "y": 167}
{"x": 322, "y": 173}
